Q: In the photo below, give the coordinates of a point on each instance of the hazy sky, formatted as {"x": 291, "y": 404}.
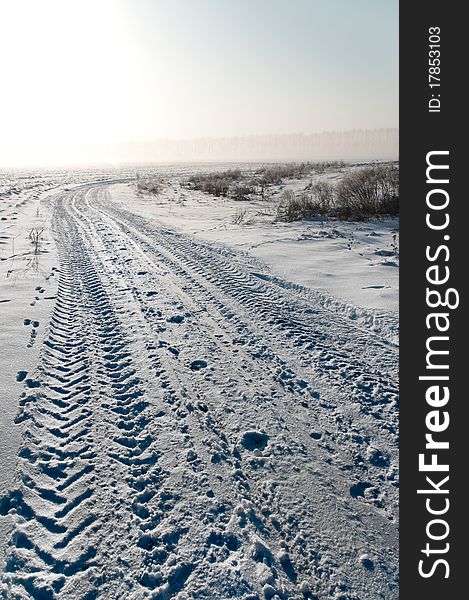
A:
{"x": 80, "y": 72}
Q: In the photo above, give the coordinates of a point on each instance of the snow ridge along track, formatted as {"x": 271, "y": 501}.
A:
{"x": 196, "y": 431}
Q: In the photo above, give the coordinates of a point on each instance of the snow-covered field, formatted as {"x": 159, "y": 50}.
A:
{"x": 193, "y": 408}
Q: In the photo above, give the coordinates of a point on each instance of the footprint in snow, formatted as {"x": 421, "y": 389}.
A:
{"x": 176, "y": 319}
{"x": 196, "y": 365}
{"x": 367, "y": 562}
{"x": 253, "y": 440}
{"x": 358, "y": 489}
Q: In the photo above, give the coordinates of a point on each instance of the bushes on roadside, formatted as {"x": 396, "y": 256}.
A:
{"x": 243, "y": 217}
{"x": 323, "y": 191}
{"x": 149, "y": 185}
{"x": 222, "y": 184}
{"x": 232, "y": 182}
{"x": 275, "y": 174}
{"x": 369, "y": 191}
{"x": 241, "y": 191}
{"x": 363, "y": 193}
{"x": 217, "y": 183}
{"x": 295, "y": 207}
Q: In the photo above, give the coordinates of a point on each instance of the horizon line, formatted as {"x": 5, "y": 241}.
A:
{"x": 350, "y": 144}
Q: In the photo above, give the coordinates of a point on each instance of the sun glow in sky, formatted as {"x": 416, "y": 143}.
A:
{"x": 81, "y": 73}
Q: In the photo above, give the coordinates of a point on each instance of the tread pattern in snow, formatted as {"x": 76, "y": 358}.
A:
{"x": 197, "y": 431}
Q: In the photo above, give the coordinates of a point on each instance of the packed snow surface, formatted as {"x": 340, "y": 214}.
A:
{"x": 193, "y": 409}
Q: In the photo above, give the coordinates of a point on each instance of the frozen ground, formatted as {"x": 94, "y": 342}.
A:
{"x": 193, "y": 423}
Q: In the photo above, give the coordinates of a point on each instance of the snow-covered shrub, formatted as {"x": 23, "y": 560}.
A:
{"x": 242, "y": 217}
{"x": 216, "y": 183}
{"x": 369, "y": 191}
{"x": 241, "y": 191}
{"x": 149, "y": 185}
{"x": 275, "y": 174}
{"x": 295, "y": 207}
{"x": 323, "y": 191}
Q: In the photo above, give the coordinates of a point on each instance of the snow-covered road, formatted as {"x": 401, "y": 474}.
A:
{"x": 196, "y": 429}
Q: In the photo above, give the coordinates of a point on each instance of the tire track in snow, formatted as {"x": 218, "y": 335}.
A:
{"x": 121, "y": 426}
{"x": 84, "y": 443}
{"x": 356, "y": 362}
{"x": 318, "y": 331}
{"x": 367, "y": 350}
